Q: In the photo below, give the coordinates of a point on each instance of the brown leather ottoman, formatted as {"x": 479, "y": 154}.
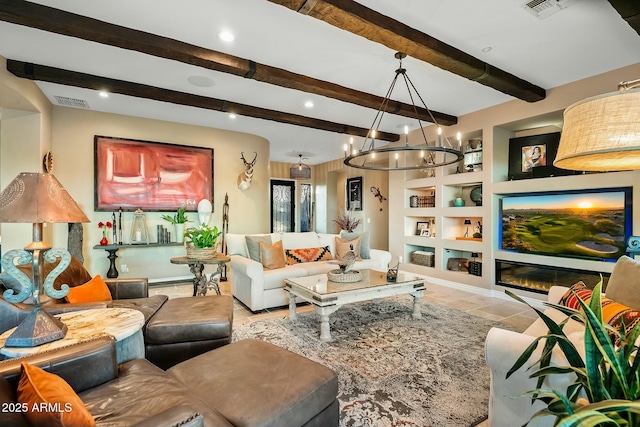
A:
{"x": 186, "y": 327}
{"x": 253, "y": 383}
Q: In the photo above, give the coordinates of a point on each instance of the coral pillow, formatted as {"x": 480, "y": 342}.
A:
{"x": 272, "y": 256}
{"x": 93, "y": 291}
{"x": 296, "y": 256}
{"x": 55, "y": 402}
{"x": 343, "y": 246}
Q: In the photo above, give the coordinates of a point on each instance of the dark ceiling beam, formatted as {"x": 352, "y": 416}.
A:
{"x": 71, "y": 78}
{"x": 69, "y": 24}
{"x": 630, "y": 12}
{"x": 357, "y": 19}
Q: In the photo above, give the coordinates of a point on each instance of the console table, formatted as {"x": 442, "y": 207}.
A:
{"x": 112, "y": 273}
{"x": 200, "y": 281}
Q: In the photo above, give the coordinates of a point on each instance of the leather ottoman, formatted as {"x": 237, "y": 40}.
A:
{"x": 186, "y": 327}
{"x": 253, "y": 383}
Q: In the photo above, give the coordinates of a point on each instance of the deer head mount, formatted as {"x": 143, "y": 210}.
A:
{"x": 244, "y": 179}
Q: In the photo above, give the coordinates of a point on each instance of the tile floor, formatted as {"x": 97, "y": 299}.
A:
{"x": 497, "y": 309}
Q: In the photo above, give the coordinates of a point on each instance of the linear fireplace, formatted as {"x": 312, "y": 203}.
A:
{"x": 539, "y": 278}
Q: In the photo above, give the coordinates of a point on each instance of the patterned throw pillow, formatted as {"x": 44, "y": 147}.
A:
{"x": 570, "y": 298}
{"x": 613, "y": 313}
{"x": 296, "y": 256}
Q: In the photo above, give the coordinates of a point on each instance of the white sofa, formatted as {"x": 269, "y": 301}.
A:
{"x": 259, "y": 289}
{"x": 502, "y": 349}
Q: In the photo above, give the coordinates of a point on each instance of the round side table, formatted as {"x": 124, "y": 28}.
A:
{"x": 200, "y": 281}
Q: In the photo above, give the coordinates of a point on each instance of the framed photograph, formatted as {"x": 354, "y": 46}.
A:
{"x": 354, "y": 194}
{"x": 152, "y": 176}
{"x": 533, "y": 156}
{"x": 425, "y": 232}
{"x": 420, "y": 226}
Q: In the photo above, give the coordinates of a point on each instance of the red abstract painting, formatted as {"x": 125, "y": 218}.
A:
{"x": 153, "y": 176}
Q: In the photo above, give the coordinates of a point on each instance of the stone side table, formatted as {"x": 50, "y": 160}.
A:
{"x": 124, "y": 324}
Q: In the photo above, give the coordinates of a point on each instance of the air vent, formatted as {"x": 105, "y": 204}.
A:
{"x": 544, "y": 8}
{"x": 71, "y": 102}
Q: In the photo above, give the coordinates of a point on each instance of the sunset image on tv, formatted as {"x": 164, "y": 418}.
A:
{"x": 583, "y": 224}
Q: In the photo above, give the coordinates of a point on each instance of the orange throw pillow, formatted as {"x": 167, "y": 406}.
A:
{"x": 50, "y": 400}
{"x": 94, "y": 290}
{"x": 272, "y": 256}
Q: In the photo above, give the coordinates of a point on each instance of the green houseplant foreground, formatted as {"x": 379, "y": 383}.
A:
{"x": 607, "y": 384}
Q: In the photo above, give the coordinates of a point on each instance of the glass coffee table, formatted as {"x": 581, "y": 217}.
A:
{"x": 327, "y": 296}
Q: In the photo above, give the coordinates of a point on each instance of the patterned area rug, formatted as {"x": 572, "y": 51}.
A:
{"x": 393, "y": 370}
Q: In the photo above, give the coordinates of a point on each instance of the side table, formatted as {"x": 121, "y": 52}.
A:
{"x": 200, "y": 281}
{"x": 124, "y": 324}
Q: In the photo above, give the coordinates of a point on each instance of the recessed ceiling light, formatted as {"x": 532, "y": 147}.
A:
{"x": 308, "y": 104}
{"x": 200, "y": 81}
{"x": 226, "y": 36}
{"x": 103, "y": 94}
{"x": 487, "y": 49}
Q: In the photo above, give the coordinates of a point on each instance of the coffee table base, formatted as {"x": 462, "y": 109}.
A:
{"x": 324, "y": 310}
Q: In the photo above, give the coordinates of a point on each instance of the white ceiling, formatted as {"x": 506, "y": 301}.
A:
{"x": 583, "y": 40}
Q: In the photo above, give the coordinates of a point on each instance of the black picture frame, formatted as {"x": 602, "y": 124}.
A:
{"x": 354, "y": 194}
{"x": 524, "y": 164}
{"x": 423, "y": 225}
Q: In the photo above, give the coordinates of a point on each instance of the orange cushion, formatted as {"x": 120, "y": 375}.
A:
{"x": 295, "y": 256}
{"x": 93, "y": 291}
{"x": 50, "y": 400}
{"x": 343, "y": 246}
{"x": 272, "y": 256}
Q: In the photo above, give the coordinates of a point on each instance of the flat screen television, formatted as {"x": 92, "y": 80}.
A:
{"x": 590, "y": 224}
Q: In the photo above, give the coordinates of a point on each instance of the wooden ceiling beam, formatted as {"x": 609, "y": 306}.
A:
{"x": 69, "y": 24}
{"x": 357, "y": 19}
{"x": 71, "y": 78}
{"x": 629, "y": 11}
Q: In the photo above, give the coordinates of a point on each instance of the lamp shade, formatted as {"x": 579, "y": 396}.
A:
{"x": 601, "y": 133}
{"x": 38, "y": 198}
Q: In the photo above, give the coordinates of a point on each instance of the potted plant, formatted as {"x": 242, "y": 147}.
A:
{"x": 606, "y": 390}
{"x": 201, "y": 241}
{"x": 178, "y": 220}
{"x": 346, "y": 221}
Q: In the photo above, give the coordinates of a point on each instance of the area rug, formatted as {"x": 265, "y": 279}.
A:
{"x": 394, "y": 370}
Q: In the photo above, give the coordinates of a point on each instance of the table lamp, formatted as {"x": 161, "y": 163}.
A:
{"x": 37, "y": 198}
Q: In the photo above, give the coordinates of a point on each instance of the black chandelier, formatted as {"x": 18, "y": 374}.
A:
{"x": 403, "y": 157}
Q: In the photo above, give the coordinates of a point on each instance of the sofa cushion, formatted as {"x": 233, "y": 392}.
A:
{"x": 622, "y": 286}
{"x": 37, "y": 387}
{"x": 297, "y": 256}
{"x": 300, "y": 240}
{"x": 253, "y": 245}
{"x": 269, "y": 386}
{"x": 94, "y": 290}
{"x": 344, "y": 246}
{"x": 143, "y": 390}
{"x": 365, "y": 242}
{"x": 191, "y": 319}
{"x": 236, "y": 245}
{"x": 272, "y": 256}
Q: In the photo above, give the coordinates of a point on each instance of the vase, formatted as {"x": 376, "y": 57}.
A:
{"x": 104, "y": 241}
{"x": 179, "y": 232}
{"x": 200, "y": 253}
{"x": 458, "y": 202}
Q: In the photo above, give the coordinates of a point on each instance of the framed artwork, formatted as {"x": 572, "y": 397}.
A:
{"x": 533, "y": 156}
{"x": 354, "y": 194}
{"x": 425, "y": 232}
{"x": 421, "y": 226}
{"x": 152, "y": 176}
